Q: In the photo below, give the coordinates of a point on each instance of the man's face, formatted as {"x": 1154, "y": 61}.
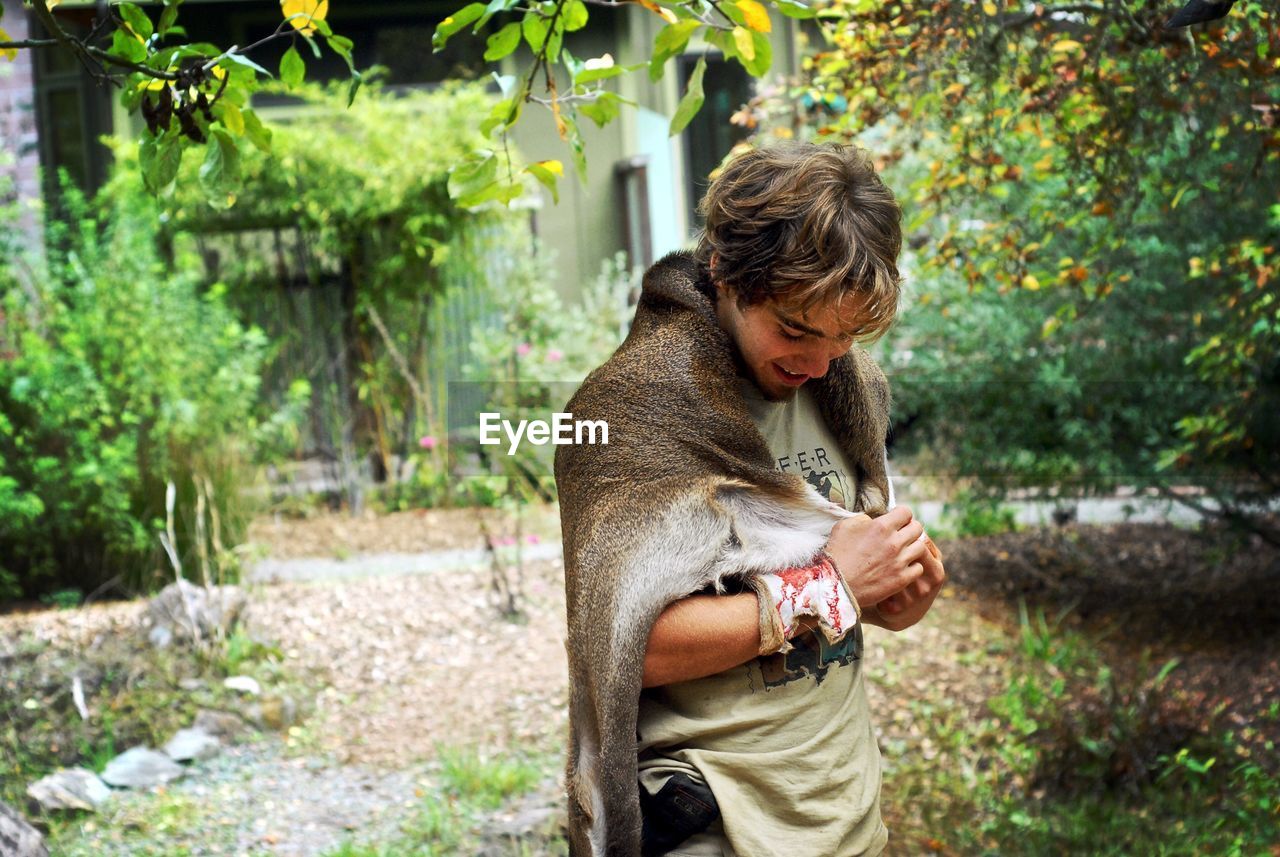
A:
{"x": 784, "y": 348}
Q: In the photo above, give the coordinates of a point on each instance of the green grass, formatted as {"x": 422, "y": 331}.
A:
{"x": 1078, "y": 756}
{"x": 470, "y": 786}
{"x": 483, "y": 781}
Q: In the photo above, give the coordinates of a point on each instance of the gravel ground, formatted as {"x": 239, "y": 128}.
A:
{"x": 254, "y": 799}
{"x": 405, "y": 665}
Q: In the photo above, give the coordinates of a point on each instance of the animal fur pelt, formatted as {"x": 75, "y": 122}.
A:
{"x": 685, "y": 495}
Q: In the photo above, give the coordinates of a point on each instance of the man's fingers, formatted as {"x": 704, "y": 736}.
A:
{"x": 908, "y": 535}
{"x": 897, "y": 517}
{"x": 914, "y": 552}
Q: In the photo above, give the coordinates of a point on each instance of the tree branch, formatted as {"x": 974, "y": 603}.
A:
{"x": 29, "y": 43}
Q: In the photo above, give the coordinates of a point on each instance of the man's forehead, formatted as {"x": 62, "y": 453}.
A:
{"x": 834, "y": 317}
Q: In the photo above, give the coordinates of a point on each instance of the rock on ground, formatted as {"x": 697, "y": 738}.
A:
{"x": 75, "y": 788}
{"x": 141, "y": 768}
{"x": 17, "y": 837}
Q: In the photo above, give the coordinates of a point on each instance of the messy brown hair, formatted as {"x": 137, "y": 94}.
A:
{"x": 804, "y": 223}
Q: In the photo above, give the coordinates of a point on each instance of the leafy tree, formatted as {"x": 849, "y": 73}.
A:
{"x": 190, "y": 93}
{"x": 1097, "y": 199}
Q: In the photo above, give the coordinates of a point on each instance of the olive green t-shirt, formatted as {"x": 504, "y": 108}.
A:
{"x": 784, "y": 741}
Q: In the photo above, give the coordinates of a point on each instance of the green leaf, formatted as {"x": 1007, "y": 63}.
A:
{"x": 603, "y": 110}
{"x": 220, "y": 171}
{"x": 455, "y": 22}
{"x": 125, "y": 46}
{"x": 669, "y": 42}
{"x": 342, "y": 46}
{"x": 723, "y": 40}
{"x": 503, "y": 42}
{"x": 231, "y": 116}
{"x": 258, "y": 134}
{"x": 292, "y": 69}
{"x": 795, "y": 9}
{"x": 167, "y": 19}
{"x": 474, "y": 175}
{"x": 245, "y": 63}
{"x": 494, "y": 7}
{"x": 591, "y": 75}
{"x": 691, "y": 103}
{"x": 576, "y": 147}
{"x": 575, "y": 65}
{"x": 534, "y": 28}
{"x": 547, "y": 176}
{"x": 574, "y": 16}
{"x": 554, "y": 42}
{"x": 136, "y": 19}
{"x": 354, "y": 87}
{"x": 758, "y": 65}
{"x": 159, "y": 158}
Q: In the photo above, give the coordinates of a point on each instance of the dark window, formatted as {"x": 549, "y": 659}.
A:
{"x": 72, "y": 111}
{"x": 710, "y": 136}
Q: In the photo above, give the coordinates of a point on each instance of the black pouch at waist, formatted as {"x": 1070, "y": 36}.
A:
{"x": 683, "y": 807}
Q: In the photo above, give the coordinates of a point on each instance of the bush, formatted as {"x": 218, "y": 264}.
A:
{"x": 121, "y": 378}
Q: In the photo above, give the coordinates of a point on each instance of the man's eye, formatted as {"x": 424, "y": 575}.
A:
{"x": 786, "y": 334}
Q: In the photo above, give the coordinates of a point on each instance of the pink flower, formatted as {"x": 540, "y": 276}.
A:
{"x": 505, "y": 541}
{"x": 523, "y": 349}
{"x": 555, "y": 354}
{"x": 427, "y": 441}
{"x": 532, "y": 538}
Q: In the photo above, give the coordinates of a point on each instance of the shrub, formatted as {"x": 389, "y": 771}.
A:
{"x": 121, "y": 378}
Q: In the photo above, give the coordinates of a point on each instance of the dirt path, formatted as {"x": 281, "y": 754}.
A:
{"x": 403, "y": 666}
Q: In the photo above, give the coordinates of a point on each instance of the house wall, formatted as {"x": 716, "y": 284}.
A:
{"x": 21, "y": 156}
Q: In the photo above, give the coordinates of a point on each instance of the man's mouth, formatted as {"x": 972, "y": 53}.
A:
{"x": 793, "y": 379}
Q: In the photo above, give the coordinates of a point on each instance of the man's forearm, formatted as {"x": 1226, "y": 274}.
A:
{"x": 700, "y": 636}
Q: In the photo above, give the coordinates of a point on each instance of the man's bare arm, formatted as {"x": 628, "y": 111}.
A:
{"x": 700, "y": 636}
{"x": 703, "y": 635}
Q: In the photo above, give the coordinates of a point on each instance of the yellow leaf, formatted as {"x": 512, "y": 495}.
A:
{"x": 219, "y": 72}
{"x": 1044, "y": 164}
{"x": 51, "y": 3}
{"x": 746, "y": 44}
{"x": 1065, "y": 45}
{"x": 1030, "y": 283}
{"x": 667, "y": 15}
{"x": 7, "y": 53}
{"x": 954, "y": 89}
{"x": 307, "y": 10}
{"x": 552, "y": 167}
{"x": 990, "y": 9}
{"x": 757, "y": 16}
{"x": 562, "y": 127}
{"x": 232, "y": 118}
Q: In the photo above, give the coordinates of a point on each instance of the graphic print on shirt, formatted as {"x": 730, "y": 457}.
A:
{"x": 817, "y": 469}
{"x": 811, "y": 655}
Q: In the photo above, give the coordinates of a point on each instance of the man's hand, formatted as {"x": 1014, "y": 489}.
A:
{"x": 879, "y": 557}
{"x": 908, "y": 606}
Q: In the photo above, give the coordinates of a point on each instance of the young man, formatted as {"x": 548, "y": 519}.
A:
{"x": 741, "y": 411}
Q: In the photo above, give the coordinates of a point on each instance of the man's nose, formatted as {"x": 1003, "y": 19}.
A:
{"x": 816, "y": 360}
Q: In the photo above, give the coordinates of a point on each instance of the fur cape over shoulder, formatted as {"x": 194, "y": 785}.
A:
{"x": 684, "y": 495}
